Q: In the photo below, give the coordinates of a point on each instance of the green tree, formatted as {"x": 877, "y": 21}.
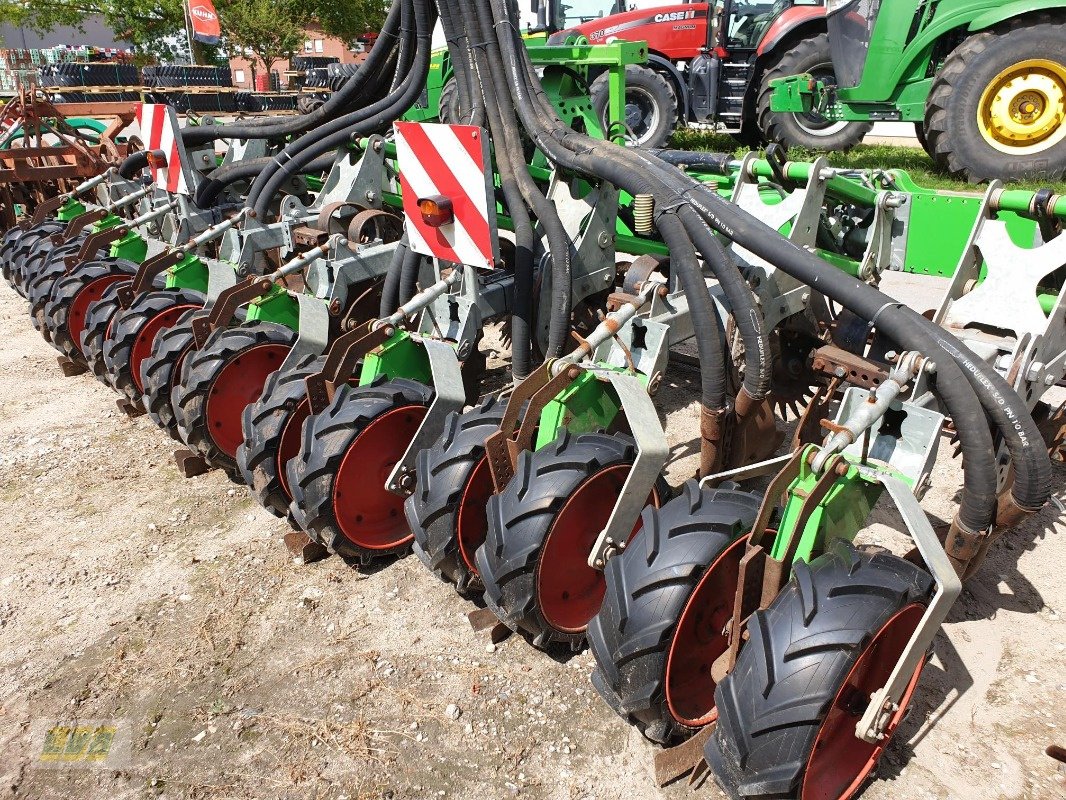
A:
{"x": 349, "y": 20}
{"x": 270, "y": 30}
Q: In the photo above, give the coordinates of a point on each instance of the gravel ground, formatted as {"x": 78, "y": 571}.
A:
{"x": 171, "y": 608}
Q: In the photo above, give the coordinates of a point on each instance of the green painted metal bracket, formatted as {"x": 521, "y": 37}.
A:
{"x": 278, "y": 306}
{"x": 131, "y": 247}
{"x": 841, "y": 514}
{"x": 110, "y": 221}
{"x": 399, "y": 357}
{"x": 71, "y": 209}
{"x": 586, "y": 405}
{"x": 796, "y": 94}
{"x": 189, "y": 273}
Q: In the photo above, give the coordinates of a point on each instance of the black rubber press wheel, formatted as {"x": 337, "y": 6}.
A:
{"x": 788, "y": 710}
{"x": 346, "y": 454}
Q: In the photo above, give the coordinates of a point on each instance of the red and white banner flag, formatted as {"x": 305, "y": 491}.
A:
{"x": 205, "y": 27}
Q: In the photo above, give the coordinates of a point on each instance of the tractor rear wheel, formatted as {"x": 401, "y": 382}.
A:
{"x": 788, "y": 710}
{"x": 669, "y": 598}
{"x": 66, "y": 312}
{"x": 452, "y": 486}
{"x": 346, "y": 453}
{"x": 161, "y": 370}
{"x": 272, "y": 426}
{"x": 133, "y": 331}
{"x": 541, "y": 529}
{"x": 811, "y": 130}
{"x": 217, "y": 383}
{"x": 650, "y": 109}
{"x": 997, "y": 109}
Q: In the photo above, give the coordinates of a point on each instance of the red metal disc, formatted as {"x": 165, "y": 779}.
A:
{"x": 237, "y": 384}
{"x": 79, "y": 306}
{"x": 701, "y": 638}
{"x": 840, "y": 762}
{"x": 367, "y": 513}
{"x": 289, "y": 442}
{"x": 142, "y": 345}
{"x": 472, "y": 524}
{"x": 570, "y": 592}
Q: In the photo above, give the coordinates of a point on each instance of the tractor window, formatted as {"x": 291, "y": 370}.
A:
{"x": 850, "y": 28}
{"x": 748, "y": 22}
{"x": 578, "y": 11}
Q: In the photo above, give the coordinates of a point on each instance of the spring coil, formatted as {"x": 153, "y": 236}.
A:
{"x": 643, "y": 214}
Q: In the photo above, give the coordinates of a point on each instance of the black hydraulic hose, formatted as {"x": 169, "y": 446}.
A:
{"x": 702, "y": 310}
{"x": 412, "y": 262}
{"x": 390, "y": 290}
{"x": 371, "y": 119}
{"x": 715, "y": 162}
{"x": 758, "y": 361}
{"x": 311, "y": 139}
{"x": 1032, "y": 485}
{"x": 268, "y": 184}
{"x": 471, "y": 104}
{"x": 977, "y": 507}
{"x": 209, "y": 190}
{"x": 1032, "y": 467}
{"x": 515, "y": 200}
{"x": 559, "y": 243}
{"x": 337, "y": 103}
{"x": 133, "y": 164}
{"x": 520, "y": 194}
{"x": 994, "y": 396}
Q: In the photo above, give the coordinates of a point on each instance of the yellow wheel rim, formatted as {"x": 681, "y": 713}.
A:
{"x": 1023, "y": 109}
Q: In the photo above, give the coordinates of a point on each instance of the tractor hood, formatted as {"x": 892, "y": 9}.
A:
{"x": 680, "y": 30}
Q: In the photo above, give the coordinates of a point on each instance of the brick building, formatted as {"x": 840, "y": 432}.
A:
{"x": 317, "y": 43}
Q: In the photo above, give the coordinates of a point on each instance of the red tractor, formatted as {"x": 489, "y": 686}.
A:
{"x": 710, "y": 63}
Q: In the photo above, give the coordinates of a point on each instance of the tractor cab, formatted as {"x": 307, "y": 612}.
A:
{"x": 851, "y": 27}
{"x": 740, "y": 33}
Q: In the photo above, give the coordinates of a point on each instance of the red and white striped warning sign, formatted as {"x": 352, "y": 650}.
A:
{"x": 161, "y": 133}
{"x": 450, "y": 163}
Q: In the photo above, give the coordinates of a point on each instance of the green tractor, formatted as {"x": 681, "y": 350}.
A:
{"x": 984, "y": 81}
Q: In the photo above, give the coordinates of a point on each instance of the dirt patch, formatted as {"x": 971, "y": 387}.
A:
{"x": 169, "y": 605}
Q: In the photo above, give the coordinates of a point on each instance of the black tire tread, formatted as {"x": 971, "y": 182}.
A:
{"x": 791, "y": 61}
{"x": 943, "y": 143}
{"x": 325, "y": 439}
{"x": 263, "y": 423}
{"x": 189, "y": 396}
{"x": 97, "y": 319}
{"x": 520, "y": 518}
{"x": 800, "y": 650}
{"x": 648, "y": 587}
{"x": 127, "y": 326}
{"x": 443, "y": 472}
{"x": 162, "y": 368}
{"x": 66, "y": 291}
